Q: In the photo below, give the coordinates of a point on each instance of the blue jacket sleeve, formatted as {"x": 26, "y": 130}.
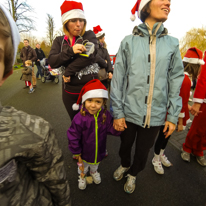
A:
{"x": 175, "y": 79}
{"x": 110, "y": 128}
{"x": 116, "y": 94}
{"x": 74, "y": 134}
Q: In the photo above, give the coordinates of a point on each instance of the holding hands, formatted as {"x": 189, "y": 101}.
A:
{"x": 119, "y": 124}
{"x": 195, "y": 109}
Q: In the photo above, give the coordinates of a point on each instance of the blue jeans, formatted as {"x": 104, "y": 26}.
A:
{"x": 39, "y": 71}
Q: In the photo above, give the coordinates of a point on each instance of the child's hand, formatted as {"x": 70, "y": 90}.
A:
{"x": 119, "y": 124}
{"x": 189, "y": 107}
{"x": 180, "y": 127}
{"x": 66, "y": 79}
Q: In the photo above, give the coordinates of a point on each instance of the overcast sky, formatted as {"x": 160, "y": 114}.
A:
{"x": 114, "y": 17}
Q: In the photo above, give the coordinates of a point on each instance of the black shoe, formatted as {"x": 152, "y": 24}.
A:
{"x": 25, "y": 87}
{"x": 34, "y": 86}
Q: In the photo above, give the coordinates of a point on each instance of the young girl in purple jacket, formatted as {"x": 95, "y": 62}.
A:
{"x": 89, "y": 129}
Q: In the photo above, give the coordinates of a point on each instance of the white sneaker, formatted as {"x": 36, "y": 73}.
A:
{"x": 96, "y": 177}
{"x": 158, "y": 166}
{"x": 130, "y": 185}
{"x": 118, "y": 174}
{"x": 165, "y": 161}
{"x": 82, "y": 183}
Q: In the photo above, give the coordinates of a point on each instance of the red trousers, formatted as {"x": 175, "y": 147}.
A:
{"x": 196, "y": 138}
{"x": 28, "y": 83}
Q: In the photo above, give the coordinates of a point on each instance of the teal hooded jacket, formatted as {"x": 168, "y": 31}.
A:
{"x": 148, "y": 74}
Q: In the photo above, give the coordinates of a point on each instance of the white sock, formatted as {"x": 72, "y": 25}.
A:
{"x": 156, "y": 157}
{"x": 162, "y": 152}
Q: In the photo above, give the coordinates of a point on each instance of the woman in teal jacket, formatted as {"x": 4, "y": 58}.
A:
{"x": 146, "y": 83}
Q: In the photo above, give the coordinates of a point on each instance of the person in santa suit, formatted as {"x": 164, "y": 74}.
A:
{"x": 191, "y": 61}
{"x": 195, "y": 141}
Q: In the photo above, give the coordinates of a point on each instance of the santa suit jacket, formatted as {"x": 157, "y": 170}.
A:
{"x": 200, "y": 91}
{"x": 185, "y": 94}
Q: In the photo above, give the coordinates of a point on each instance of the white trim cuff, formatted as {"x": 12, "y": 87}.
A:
{"x": 181, "y": 115}
{"x": 198, "y": 100}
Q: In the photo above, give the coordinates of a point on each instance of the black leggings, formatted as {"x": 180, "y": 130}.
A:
{"x": 161, "y": 141}
{"x": 145, "y": 138}
{"x": 69, "y": 100}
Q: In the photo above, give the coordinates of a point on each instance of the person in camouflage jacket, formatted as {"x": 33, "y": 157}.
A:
{"x": 31, "y": 163}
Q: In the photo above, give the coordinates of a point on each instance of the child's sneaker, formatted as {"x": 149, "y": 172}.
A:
{"x": 158, "y": 166}
{"x": 96, "y": 177}
{"x": 118, "y": 174}
{"x": 185, "y": 156}
{"x": 31, "y": 91}
{"x": 130, "y": 185}
{"x": 82, "y": 183}
{"x": 165, "y": 161}
{"x": 201, "y": 160}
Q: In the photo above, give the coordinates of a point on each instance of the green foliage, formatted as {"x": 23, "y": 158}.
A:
{"x": 45, "y": 47}
{"x": 193, "y": 38}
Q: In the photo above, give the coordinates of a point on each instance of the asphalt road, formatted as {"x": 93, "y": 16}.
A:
{"x": 184, "y": 184}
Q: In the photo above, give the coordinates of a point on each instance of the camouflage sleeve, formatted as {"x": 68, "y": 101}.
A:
{"x": 46, "y": 161}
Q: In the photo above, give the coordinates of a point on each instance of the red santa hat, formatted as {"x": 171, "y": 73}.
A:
{"x": 14, "y": 30}
{"x": 71, "y": 10}
{"x": 138, "y": 7}
{"x": 194, "y": 56}
{"x": 92, "y": 89}
{"x": 98, "y": 32}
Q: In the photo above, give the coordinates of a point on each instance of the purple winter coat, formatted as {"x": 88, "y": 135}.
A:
{"x": 87, "y": 135}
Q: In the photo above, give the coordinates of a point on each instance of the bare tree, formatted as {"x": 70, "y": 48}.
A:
{"x": 21, "y": 13}
{"x": 193, "y": 38}
{"x": 50, "y": 29}
{"x": 59, "y": 32}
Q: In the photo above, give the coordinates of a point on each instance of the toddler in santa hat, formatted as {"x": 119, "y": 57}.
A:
{"x": 89, "y": 129}
{"x": 191, "y": 61}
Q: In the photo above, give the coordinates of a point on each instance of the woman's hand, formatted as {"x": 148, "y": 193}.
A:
{"x": 110, "y": 75}
{"x": 119, "y": 124}
{"x": 66, "y": 79}
{"x": 78, "y": 48}
{"x": 171, "y": 126}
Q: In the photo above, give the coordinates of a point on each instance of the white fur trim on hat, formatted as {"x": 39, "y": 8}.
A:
{"x": 141, "y": 6}
{"x": 96, "y": 93}
{"x": 99, "y": 34}
{"x": 14, "y": 30}
{"x": 72, "y": 14}
{"x": 193, "y": 61}
{"x": 75, "y": 106}
{"x": 132, "y": 17}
